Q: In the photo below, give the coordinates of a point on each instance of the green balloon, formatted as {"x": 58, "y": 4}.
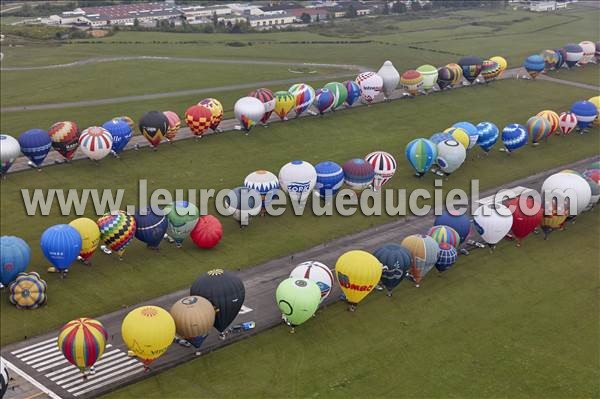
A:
{"x": 298, "y": 299}
{"x": 340, "y": 93}
{"x": 182, "y": 217}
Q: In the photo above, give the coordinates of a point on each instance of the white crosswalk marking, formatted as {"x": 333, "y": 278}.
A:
{"x": 46, "y": 358}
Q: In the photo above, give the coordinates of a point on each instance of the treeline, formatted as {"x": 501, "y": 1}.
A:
{"x": 43, "y": 32}
{"x": 241, "y": 26}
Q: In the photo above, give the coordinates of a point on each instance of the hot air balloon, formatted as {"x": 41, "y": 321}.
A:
{"x": 492, "y": 222}
{"x": 457, "y": 73}
{"x": 340, "y": 94}
{"x": 248, "y": 111}
{"x": 154, "y": 126}
{"x": 384, "y": 165}
{"x": 437, "y": 138}
{"x": 199, "y": 118}
{"x": 284, "y": 103}
{"x": 488, "y": 135}
{"x": 390, "y": 77}
{"x": 396, "y": 261}
{"x": 445, "y": 77}
{"x": 317, "y": 272}
{"x": 370, "y": 85}
{"x": 534, "y": 65}
{"x": 243, "y": 203}
{"x": 460, "y": 135}
{"x": 571, "y": 185}
{"x": 471, "y": 67}
{"x": 330, "y": 178}
{"x": 120, "y": 132}
{"x": 501, "y": 63}
{"x": 595, "y": 189}
{"x": 323, "y": 100}
{"x": 596, "y": 101}
{"x": 524, "y": 221}
{"x": 550, "y": 58}
{"x": 358, "y": 174}
{"x": 207, "y": 233}
{"x": 446, "y": 258}
{"x": 194, "y": 316}
{"x": 28, "y": 291}
{"x": 174, "y": 124}
{"x": 489, "y": 70}
{"x": 412, "y": 82}
{"x": 225, "y": 291}
{"x": 265, "y": 182}
{"x": 35, "y": 145}
{"x": 585, "y": 112}
{"x": 459, "y": 222}
{"x": 216, "y": 110}
{"x": 471, "y": 131}
{"x": 567, "y": 122}
{"x": 95, "y": 142}
{"x": 268, "y": 99}
{"x": 589, "y": 48}
{"x": 538, "y": 128}
{"x": 15, "y": 255}
{"x": 304, "y": 96}
{"x": 445, "y": 234}
{"x": 65, "y": 138}
{"x": 450, "y": 156}
{"x": 127, "y": 120}
{"x": 551, "y": 117}
{"x": 424, "y": 251}
{"x": 61, "y": 245}
{"x": 573, "y": 53}
{"x": 561, "y": 58}
{"x": 421, "y": 153}
{"x": 597, "y": 52}
{"x": 117, "y": 230}
{"x": 298, "y": 299}
{"x": 357, "y": 273}
{"x": 298, "y": 178}
{"x": 430, "y": 75}
{"x": 10, "y": 150}
{"x": 514, "y": 136}
{"x": 150, "y": 227}
{"x": 182, "y": 217}
{"x": 148, "y": 331}
{"x": 592, "y": 174}
{"x": 82, "y": 342}
{"x": 90, "y": 237}
{"x": 353, "y": 90}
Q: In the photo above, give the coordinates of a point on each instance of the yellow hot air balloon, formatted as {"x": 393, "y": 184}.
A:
{"x": 459, "y": 135}
{"x": 596, "y": 101}
{"x": 148, "y": 331}
{"x": 90, "y": 237}
{"x": 284, "y": 103}
{"x": 357, "y": 273}
{"x": 501, "y": 63}
{"x": 194, "y": 317}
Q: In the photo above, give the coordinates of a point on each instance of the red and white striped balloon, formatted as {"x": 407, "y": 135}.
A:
{"x": 567, "y": 121}
{"x": 384, "y": 165}
{"x": 95, "y": 142}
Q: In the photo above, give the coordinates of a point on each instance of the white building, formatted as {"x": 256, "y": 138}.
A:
{"x": 245, "y": 9}
{"x": 271, "y": 21}
{"x": 196, "y": 14}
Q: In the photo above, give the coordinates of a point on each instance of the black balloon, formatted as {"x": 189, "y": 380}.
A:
{"x": 154, "y": 125}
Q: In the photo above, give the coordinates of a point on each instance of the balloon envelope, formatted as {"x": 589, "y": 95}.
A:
{"x": 317, "y": 272}
{"x": 390, "y": 76}
{"x": 488, "y": 135}
{"x": 298, "y": 178}
{"x": 514, "y": 136}
{"x": 248, "y": 111}
{"x": 358, "y": 174}
{"x": 95, "y": 142}
{"x": 27, "y": 291}
{"x": 65, "y": 138}
{"x": 298, "y": 299}
{"x": 181, "y": 217}
{"x": 121, "y": 133}
{"x": 150, "y": 227}
{"x": 353, "y": 90}
{"x": 492, "y": 222}
{"x": 207, "y": 233}
{"x": 15, "y": 255}
{"x": 585, "y": 111}
{"x": 396, "y": 261}
{"x": 90, "y": 236}
{"x": 284, "y": 103}
{"x": 430, "y": 75}
{"x": 459, "y": 222}
{"x": 82, "y": 342}
{"x": 154, "y": 125}
{"x": 216, "y": 110}
{"x": 330, "y": 178}
{"x": 117, "y": 230}
{"x": 194, "y": 316}
{"x": 370, "y": 85}
{"x": 10, "y": 150}
{"x": 304, "y": 96}
{"x": 35, "y": 145}
{"x": 357, "y": 273}
{"x": 199, "y": 118}
{"x": 268, "y": 100}
{"x": 471, "y": 67}
{"x": 420, "y": 154}
{"x": 525, "y": 219}
{"x": 340, "y": 93}
{"x": 534, "y": 65}
{"x": 61, "y": 245}
{"x": 450, "y": 155}
{"x": 384, "y": 165}
{"x": 148, "y": 331}
{"x": 424, "y": 251}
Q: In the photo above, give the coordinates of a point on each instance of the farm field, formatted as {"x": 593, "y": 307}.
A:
{"x": 224, "y": 160}
{"x": 493, "y": 318}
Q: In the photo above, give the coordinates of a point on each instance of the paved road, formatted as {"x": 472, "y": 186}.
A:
{"x": 40, "y": 360}
{"x": 569, "y": 83}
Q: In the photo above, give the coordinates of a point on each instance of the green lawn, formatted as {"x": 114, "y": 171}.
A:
{"x": 126, "y": 78}
{"x": 589, "y": 74}
{"x": 518, "y": 323}
{"x": 224, "y": 160}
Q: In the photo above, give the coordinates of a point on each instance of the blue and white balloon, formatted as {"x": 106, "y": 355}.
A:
{"x": 488, "y": 135}
{"x": 514, "y": 136}
{"x": 330, "y": 178}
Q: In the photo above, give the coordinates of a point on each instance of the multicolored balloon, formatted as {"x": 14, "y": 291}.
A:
{"x": 248, "y": 111}
{"x": 82, "y": 342}
{"x": 120, "y": 132}
{"x": 390, "y": 76}
{"x": 28, "y": 291}
{"x": 148, "y": 331}
{"x": 538, "y": 128}
{"x": 562, "y": 58}
{"x": 501, "y": 63}
{"x": 421, "y": 153}
{"x": 216, "y": 110}
{"x": 596, "y": 101}
{"x": 61, "y": 245}
{"x": 412, "y": 82}
{"x": 567, "y": 122}
{"x": 457, "y": 73}
{"x": 589, "y": 49}
{"x": 268, "y": 99}
{"x": 330, "y": 178}
{"x": 514, "y": 136}
{"x": 323, "y": 100}
{"x": 284, "y": 103}
{"x": 10, "y": 150}
{"x": 353, "y": 90}
{"x": 424, "y": 251}
{"x": 340, "y": 94}
{"x": 90, "y": 237}
{"x": 304, "y": 96}
{"x": 430, "y": 76}
{"x": 489, "y": 70}
{"x": 35, "y": 145}
{"x": 586, "y": 112}
{"x": 534, "y": 65}
{"x": 65, "y": 138}
{"x": 150, "y": 227}
{"x": 154, "y": 126}
{"x": 117, "y": 230}
{"x": 445, "y": 234}
{"x": 358, "y": 174}
{"x": 384, "y": 165}
{"x": 552, "y": 117}
{"x": 471, "y": 131}
{"x": 370, "y": 85}
{"x": 317, "y": 272}
{"x": 15, "y": 255}
{"x": 263, "y": 181}
{"x": 460, "y": 135}
{"x": 471, "y": 67}
{"x": 488, "y": 135}
{"x": 446, "y": 258}
{"x": 551, "y": 58}
{"x": 459, "y": 222}
{"x": 174, "y": 124}
{"x": 574, "y": 53}
{"x": 199, "y": 118}
{"x": 96, "y": 142}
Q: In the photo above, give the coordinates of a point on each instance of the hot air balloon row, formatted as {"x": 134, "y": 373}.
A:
{"x": 569, "y": 56}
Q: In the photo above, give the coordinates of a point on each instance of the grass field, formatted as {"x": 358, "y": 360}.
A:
{"x": 519, "y": 323}
{"x": 589, "y": 74}
{"x": 224, "y": 160}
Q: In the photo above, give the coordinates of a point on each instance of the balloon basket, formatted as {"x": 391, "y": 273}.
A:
{"x": 292, "y": 330}
{"x": 352, "y": 307}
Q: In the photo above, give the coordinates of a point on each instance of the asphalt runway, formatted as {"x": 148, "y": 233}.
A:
{"x": 39, "y": 359}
